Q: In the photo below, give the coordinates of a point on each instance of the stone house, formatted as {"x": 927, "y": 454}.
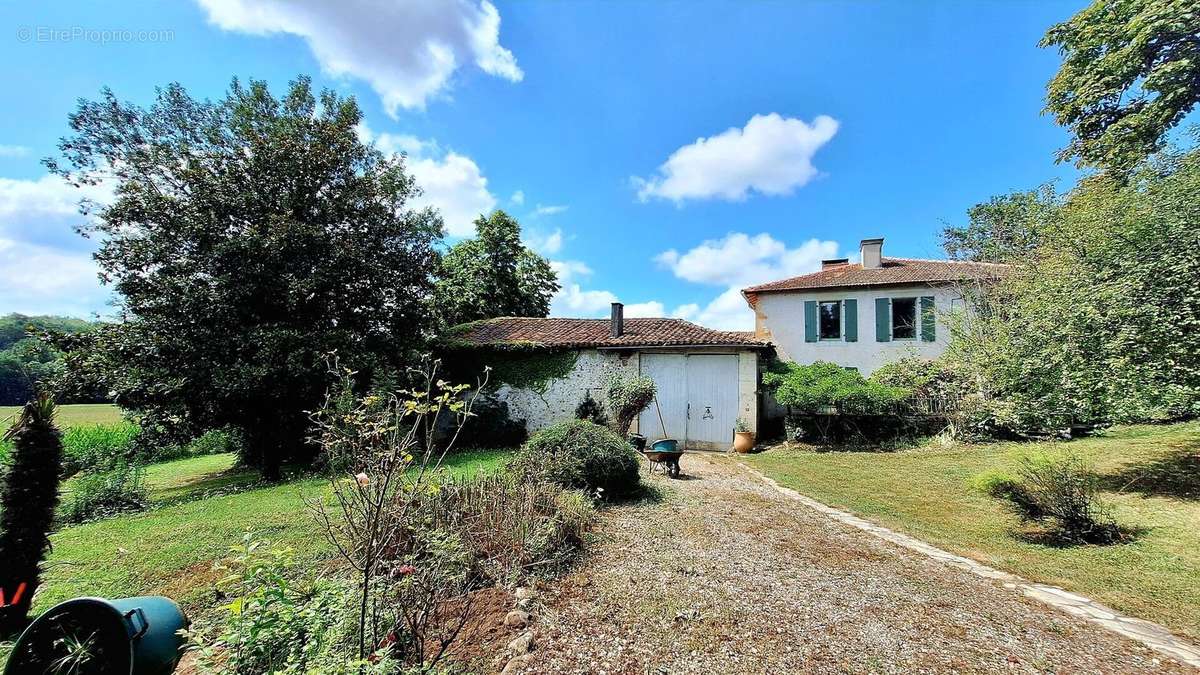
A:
{"x": 707, "y": 379}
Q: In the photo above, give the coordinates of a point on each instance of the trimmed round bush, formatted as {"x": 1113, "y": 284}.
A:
{"x": 580, "y": 455}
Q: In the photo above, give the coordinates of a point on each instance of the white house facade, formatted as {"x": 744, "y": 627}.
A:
{"x": 864, "y": 315}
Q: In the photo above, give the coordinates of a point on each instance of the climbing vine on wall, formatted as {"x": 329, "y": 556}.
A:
{"x": 531, "y": 370}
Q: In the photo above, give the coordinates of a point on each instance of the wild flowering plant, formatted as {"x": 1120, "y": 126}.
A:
{"x": 382, "y": 452}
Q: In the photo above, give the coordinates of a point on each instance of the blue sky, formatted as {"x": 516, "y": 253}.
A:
{"x": 661, "y": 153}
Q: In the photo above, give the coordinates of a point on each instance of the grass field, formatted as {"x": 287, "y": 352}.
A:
{"x": 70, "y": 415}
{"x": 1152, "y": 478}
{"x": 203, "y": 506}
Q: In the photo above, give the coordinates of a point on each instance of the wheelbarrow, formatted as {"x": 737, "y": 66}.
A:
{"x": 663, "y": 454}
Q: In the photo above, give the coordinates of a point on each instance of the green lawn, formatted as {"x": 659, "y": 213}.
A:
{"x": 203, "y": 506}
{"x": 70, "y": 415}
{"x": 1152, "y": 474}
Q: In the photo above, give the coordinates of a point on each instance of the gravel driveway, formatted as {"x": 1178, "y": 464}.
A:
{"x": 724, "y": 575}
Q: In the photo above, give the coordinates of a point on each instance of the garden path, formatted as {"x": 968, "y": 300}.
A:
{"x": 726, "y": 574}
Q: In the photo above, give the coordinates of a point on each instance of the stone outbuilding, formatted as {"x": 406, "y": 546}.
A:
{"x": 543, "y": 368}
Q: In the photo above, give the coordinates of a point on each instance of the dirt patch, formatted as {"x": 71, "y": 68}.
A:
{"x": 724, "y": 575}
{"x": 484, "y": 634}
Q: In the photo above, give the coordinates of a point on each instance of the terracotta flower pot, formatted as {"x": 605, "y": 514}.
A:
{"x": 743, "y": 441}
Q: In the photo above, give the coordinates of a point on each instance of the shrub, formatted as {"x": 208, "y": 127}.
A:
{"x": 489, "y": 426}
{"x": 580, "y": 455}
{"x": 149, "y": 449}
{"x": 215, "y": 442}
{"x": 278, "y": 624}
{"x": 922, "y": 378}
{"x": 511, "y": 527}
{"x": 98, "y": 446}
{"x": 1061, "y": 493}
{"x": 99, "y": 494}
{"x": 588, "y": 409}
{"x": 827, "y": 385}
{"x": 27, "y": 508}
{"x": 628, "y": 396}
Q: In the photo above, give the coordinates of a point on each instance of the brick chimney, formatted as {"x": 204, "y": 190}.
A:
{"x": 617, "y": 322}
{"x": 834, "y": 262}
{"x": 871, "y": 251}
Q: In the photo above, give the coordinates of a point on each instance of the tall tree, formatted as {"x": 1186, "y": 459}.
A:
{"x": 494, "y": 275}
{"x": 248, "y": 237}
{"x": 1130, "y": 72}
{"x": 1003, "y": 229}
{"x": 27, "y": 504}
{"x": 1096, "y": 324}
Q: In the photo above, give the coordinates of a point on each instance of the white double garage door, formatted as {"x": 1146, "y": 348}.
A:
{"x": 698, "y": 396}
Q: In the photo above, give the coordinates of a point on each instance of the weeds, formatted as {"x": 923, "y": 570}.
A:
{"x": 1059, "y": 493}
{"x": 99, "y": 494}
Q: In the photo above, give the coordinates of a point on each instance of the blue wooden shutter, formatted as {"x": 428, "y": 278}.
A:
{"x": 851, "y": 312}
{"x": 928, "y": 320}
{"x": 883, "y": 320}
{"x": 810, "y": 320}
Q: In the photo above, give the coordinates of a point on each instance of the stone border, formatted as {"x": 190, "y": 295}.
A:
{"x": 1148, "y": 633}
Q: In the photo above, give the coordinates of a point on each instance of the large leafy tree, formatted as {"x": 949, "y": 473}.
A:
{"x": 1003, "y": 229}
{"x": 493, "y": 275}
{"x": 1130, "y": 72}
{"x": 1097, "y": 322}
{"x": 248, "y": 237}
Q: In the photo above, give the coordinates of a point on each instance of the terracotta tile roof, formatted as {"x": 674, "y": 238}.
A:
{"x": 595, "y": 333}
{"x": 894, "y": 271}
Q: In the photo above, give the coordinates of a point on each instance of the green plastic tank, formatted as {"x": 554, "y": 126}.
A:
{"x": 95, "y": 636}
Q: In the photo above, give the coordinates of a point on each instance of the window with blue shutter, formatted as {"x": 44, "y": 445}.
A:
{"x": 928, "y": 319}
{"x": 810, "y": 320}
{"x": 830, "y": 319}
{"x": 851, "y": 306}
{"x": 883, "y": 320}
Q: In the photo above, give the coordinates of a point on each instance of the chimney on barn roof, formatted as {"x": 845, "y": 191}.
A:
{"x": 617, "y": 322}
{"x": 834, "y": 262}
{"x": 871, "y": 251}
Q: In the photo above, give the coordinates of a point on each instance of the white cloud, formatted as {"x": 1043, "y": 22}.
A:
{"x": 450, "y": 182}
{"x": 549, "y": 209}
{"x": 41, "y": 280}
{"x": 739, "y": 259}
{"x": 46, "y": 196}
{"x": 392, "y": 144}
{"x": 728, "y": 311}
{"x": 735, "y": 261}
{"x": 45, "y": 211}
{"x": 406, "y": 51}
{"x": 517, "y": 197}
{"x": 686, "y": 311}
{"x": 771, "y": 155}
{"x": 13, "y": 151}
{"x": 572, "y": 300}
{"x": 652, "y": 309}
{"x": 545, "y": 244}
{"x": 456, "y": 186}
{"x": 45, "y": 266}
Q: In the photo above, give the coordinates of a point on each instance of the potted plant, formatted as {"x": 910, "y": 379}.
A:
{"x": 743, "y": 438}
